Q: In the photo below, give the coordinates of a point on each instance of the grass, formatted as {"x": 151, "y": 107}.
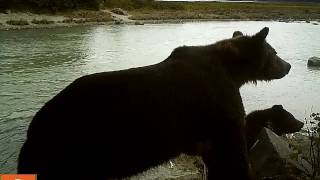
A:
{"x": 221, "y": 10}
{"x": 42, "y": 21}
{"x": 20, "y": 22}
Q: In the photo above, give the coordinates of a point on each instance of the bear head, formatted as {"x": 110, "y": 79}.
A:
{"x": 251, "y": 58}
{"x": 282, "y": 122}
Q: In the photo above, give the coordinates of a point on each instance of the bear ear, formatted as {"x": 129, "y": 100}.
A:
{"x": 237, "y": 34}
{"x": 277, "y": 107}
{"x": 261, "y": 36}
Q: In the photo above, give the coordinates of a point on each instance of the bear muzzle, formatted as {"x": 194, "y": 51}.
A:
{"x": 287, "y": 67}
{"x": 298, "y": 126}
{"x": 281, "y": 70}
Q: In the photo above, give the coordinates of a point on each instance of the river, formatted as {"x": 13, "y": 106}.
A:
{"x": 35, "y": 64}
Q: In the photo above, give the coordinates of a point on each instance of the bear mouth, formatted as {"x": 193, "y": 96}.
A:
{"x": 298, "y": 126}
{"x": 282, "y": 70}
{"x": 280, "y": 75}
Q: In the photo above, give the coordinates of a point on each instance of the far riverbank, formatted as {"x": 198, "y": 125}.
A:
{"x": 165, "y": 12}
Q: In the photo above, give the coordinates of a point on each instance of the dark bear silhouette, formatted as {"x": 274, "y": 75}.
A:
{"x": 275, "y": 118}
{"x": 116, "y": 124}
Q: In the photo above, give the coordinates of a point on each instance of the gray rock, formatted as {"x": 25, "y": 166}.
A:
{"x": 119, "y": 11}
{"x": 314, "y": 61}
{"x": 138, "y": 23}
{"x": 271, "y": 156}
{"x": 118, "y": 21}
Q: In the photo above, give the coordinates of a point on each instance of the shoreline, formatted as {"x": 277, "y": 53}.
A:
{"x": 58, "y": 24}
{"x": 145, "y": 22}
{"x": 166, "y": 13}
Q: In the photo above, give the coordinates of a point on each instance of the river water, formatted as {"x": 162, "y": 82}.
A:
{"x": 35, "y": 64}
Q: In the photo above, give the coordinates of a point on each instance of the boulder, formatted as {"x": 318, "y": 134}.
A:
{"x": 314, "y": 62}
{"x": 271, "y": 156}
{"x": 119, "y": 11}
{"x": 118, "y": 21}
{"x": 138, "y": 23}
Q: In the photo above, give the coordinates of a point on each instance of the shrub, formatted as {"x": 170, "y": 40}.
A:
{"x": 83, "y": 16}
{"x": 67, "y": 4}
{"x": 313, "y": 131}
{"x": 42, "y": 21}
{"x": 129, "y": 4}
{"x": 68, "y": 20}
{"x": 20, "y": 22}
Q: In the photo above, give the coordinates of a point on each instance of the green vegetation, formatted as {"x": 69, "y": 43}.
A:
{"x": 313, "y": 130}
{"x": 218, "y": 10}
{"x": 82, "y": 11}
{"x": 20, "y": 22}
{"x": 42, "y": 21}
{"x": 60, "y": 5}
{"x": 129, "y": 4}
{"x": 66, "y": 4}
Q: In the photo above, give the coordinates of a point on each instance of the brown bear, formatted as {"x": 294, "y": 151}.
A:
{"x": 116, "y": 124}
{"x": 275, "y": 118}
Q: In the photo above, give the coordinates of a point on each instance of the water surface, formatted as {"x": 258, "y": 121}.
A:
{"x": 35, "y": 64}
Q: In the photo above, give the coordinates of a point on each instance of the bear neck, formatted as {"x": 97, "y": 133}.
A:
{"x": 235, "y": 64}
{"x": 217, "y": 58}
{"x": 260, "y": 117}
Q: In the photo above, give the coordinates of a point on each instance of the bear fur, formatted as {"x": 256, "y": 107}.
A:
{"x": 116, "y": 124}
{"x": 275, "y": 118}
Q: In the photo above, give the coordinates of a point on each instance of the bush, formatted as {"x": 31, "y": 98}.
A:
{"x": 58, "y": 5}
{"x": 67, "y": 4}
{"x": 313, "y": 130}
{"x": 42, "y": 21}
{"x": 20, "y": 22}
{"x": 128, "y": 4}
{"x": 83, "y": 16}
{"x": 80, "y": 17}
{"x": 69, "y": 20}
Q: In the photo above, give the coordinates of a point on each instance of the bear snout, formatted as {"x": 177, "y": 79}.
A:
{"x": 287, "y": 67}
{"x": 282, "y": 70}
{"x": 296, "y": 126}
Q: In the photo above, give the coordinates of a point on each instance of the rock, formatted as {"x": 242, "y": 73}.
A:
{"x": 118, "y": 21}
{"x": 315, "y": 23}
{"x": 138, "y": 23}
{"x": 314, "y": 61}
{"x": 271, "y": 156}
{"x": 284, "y": 20}
{"x": 307, "y": 21}
{"x": 119, "y": 11}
